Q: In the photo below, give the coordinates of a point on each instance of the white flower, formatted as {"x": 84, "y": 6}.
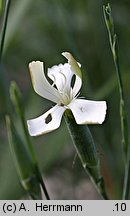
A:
{"x": 64, "y": 92}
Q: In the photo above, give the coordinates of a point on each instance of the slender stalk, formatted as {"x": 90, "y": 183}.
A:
{"x": 98, "y": 182}
{"x": 4, "y": 26}
{"x": 44, "y": 189}
{"x": 124, "y": 124}
{"x": 85, "y": 147}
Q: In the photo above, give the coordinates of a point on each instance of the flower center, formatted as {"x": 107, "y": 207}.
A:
{"x": 65, "y": 98}
{"x": 64, "y": 88}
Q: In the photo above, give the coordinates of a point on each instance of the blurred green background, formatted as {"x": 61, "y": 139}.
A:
{"x": 41, "y": 30}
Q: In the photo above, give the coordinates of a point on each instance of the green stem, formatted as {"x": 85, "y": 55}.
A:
{"x": 41, "y": 182}
{"x": 124, "y": 124}
{"x": 4, "y": 26}
{"x": 85, "y": 147}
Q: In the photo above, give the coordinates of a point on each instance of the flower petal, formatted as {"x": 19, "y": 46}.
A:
{"x": 40, "y": 83}
{"x": 47, "y": 122}
{"x": 61, "y": 75}
{"x": 75, "y": 67}
{"x": 88, "y": 112}
{"x": 77, "y": 85}
{"x": 74, "y": 64}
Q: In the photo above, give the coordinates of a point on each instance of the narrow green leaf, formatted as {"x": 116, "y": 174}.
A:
{"x": 1, "y": 6}
{"x": 24, "y": 165}
{"x": 16, "y": 98}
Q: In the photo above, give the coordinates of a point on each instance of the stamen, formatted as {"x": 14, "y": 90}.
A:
{"x": 64, "y": 78}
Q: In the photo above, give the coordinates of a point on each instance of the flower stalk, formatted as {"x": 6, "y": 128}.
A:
{"x": 123, "y": 118}
{"x": 86, "y": 150}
